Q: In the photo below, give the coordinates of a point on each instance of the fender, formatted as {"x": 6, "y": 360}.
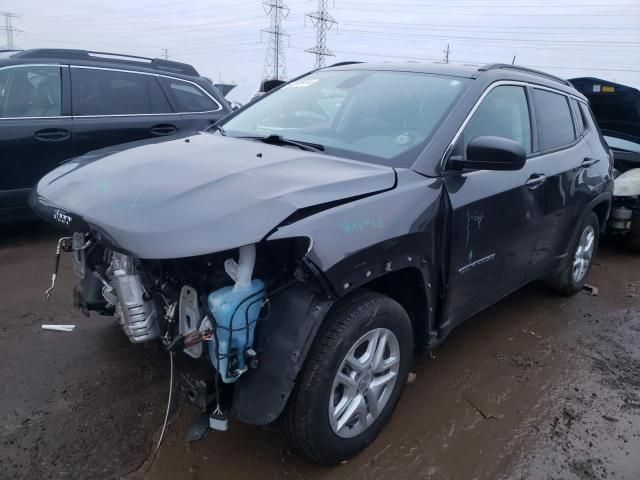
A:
{"x": 282, "y": 342}
{"x": 352, "y": 245}
{"x": 603, "y": 198}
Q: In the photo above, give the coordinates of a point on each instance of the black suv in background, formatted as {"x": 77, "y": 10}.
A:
{"x": 57, "y": 104}
{"x": 371, "y": 209}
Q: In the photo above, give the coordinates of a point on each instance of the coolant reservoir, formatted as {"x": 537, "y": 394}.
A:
{"x": 236, "y": 309}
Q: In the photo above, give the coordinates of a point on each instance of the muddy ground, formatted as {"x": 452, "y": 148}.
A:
{"x": 536, "y": 387}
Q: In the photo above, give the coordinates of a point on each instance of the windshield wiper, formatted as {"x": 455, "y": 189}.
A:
{"x": 274, "y": 139}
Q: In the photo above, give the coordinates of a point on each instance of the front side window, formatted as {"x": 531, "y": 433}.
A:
{"x": 30, "y": 91}
{"x": 109, "y": 92}
{"x": 187, "y": 97}
{"x": 503, "y": 113}
{"x": 379, "y": 116}
{"x": 555, "y": 124}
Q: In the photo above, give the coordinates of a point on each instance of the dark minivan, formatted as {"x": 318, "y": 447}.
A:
{"x": 56, "y": 104}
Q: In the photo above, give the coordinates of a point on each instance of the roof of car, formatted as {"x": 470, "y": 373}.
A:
{"x": 457, "y": 70}
{"x": 90, "y": 58}
{"x": 496, "y": 70}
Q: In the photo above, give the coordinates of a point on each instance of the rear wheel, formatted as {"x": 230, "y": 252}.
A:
{"x": 355, "y": 374}
{"x": 571, "y": 278}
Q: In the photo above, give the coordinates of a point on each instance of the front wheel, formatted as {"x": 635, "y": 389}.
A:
{"x": 353, "y": 379}
{"x": 571, "y": 278}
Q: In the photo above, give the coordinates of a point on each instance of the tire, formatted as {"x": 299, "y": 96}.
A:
{"x": 307, "y": 422}
{"x": 564, "y": 281}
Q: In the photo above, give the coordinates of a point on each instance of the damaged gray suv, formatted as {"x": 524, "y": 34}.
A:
{"x": 309, "y": 243}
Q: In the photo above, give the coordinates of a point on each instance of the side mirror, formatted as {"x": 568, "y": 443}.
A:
{"x": 491, "y": 153}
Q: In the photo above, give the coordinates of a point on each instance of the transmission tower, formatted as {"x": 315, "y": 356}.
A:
{"x": 165, "y": 53}
{"x": 322, "y": 21}
{"x": 274, "y": 63}
{"x": 446, "y": 52}
{"x": 9, "y": 29}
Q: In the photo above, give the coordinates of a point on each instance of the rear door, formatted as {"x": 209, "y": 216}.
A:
{"x": 572, "y": 173}
{"x": 198, "y": 107}
{"x": 495, "y": 216}
{"x": 113, "y": 106}
{"x": 35, "y": 127}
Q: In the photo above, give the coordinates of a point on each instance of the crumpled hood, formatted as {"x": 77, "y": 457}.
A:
{"x": 196, "y": 194}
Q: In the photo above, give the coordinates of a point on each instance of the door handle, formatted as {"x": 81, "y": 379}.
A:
{"x": 588, "y": 161}
{"x": 164, "y": 129}
{"x": 52, "y": 135}
{"x": 535, "y": 180}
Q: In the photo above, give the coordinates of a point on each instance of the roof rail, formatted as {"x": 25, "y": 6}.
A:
{"x": 341, "y": 64}
{"x": 63, "y": 53}
{"x": 506, "y": 66}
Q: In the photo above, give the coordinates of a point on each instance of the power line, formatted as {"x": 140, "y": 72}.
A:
{"x": 497, "y": 5}
{"x": 274, "y": 62}
{"x": 9, "y": 29}
{"x": 477, "y": 14}
{"x": 617, "y": 43}
{"x": 323, "y": 22}
{"x": 99, "y": 19}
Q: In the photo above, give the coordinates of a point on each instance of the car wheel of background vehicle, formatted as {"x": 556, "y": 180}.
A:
{"x": 634, "y": 235}
{"x": 353, "y": 379}
{"x": 571, "y": 278}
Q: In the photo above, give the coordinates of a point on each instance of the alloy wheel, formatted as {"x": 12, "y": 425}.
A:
{"x": 364, "y": 382}
{"x": 584, "y": 252}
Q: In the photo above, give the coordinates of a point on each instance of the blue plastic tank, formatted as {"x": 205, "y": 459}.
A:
{"x": 246, "y": 302}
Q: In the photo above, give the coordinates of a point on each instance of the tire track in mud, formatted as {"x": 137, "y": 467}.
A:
{"x": 594, "y": 433}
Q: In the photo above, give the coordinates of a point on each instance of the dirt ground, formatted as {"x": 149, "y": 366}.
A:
{"x": 535, "y": 387}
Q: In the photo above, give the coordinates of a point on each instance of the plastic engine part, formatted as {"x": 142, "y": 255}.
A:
{"x": 236, "y": 311}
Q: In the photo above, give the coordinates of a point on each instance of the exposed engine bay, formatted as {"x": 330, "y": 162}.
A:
{"x": 206, "y": 306}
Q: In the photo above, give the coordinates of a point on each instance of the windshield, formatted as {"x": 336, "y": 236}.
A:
{"x": 621, "y": 144}
{"x": 379, "y": 116}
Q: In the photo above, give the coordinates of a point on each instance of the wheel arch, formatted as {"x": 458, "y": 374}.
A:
{"x": 409, "y": 288}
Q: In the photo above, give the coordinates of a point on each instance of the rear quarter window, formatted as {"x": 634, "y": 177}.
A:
{"x": 555, "y": 123}
{"x": 187, "y": 97}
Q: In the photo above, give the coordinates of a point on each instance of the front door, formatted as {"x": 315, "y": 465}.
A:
{"x": 35, "y": 130}
{"x": 495, "y": 215}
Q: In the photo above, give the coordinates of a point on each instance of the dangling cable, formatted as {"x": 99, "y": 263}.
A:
{"x": 166, "y": 416}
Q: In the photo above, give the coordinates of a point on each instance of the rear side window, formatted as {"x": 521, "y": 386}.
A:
{"x": 555, "y": 124}
{"x": 502, "y": 113}
{"x": 187, "y": 97}
{"x": 108, "y": 92}
{"x": 30, "y": 91}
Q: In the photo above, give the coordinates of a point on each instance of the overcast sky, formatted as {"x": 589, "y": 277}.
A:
{"x": 222, "y": 38}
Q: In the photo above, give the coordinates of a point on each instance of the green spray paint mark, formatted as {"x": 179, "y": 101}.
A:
{"x": 361, "y": 225}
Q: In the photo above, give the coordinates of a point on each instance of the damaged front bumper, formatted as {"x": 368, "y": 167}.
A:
{"x": 254, "y": 333}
